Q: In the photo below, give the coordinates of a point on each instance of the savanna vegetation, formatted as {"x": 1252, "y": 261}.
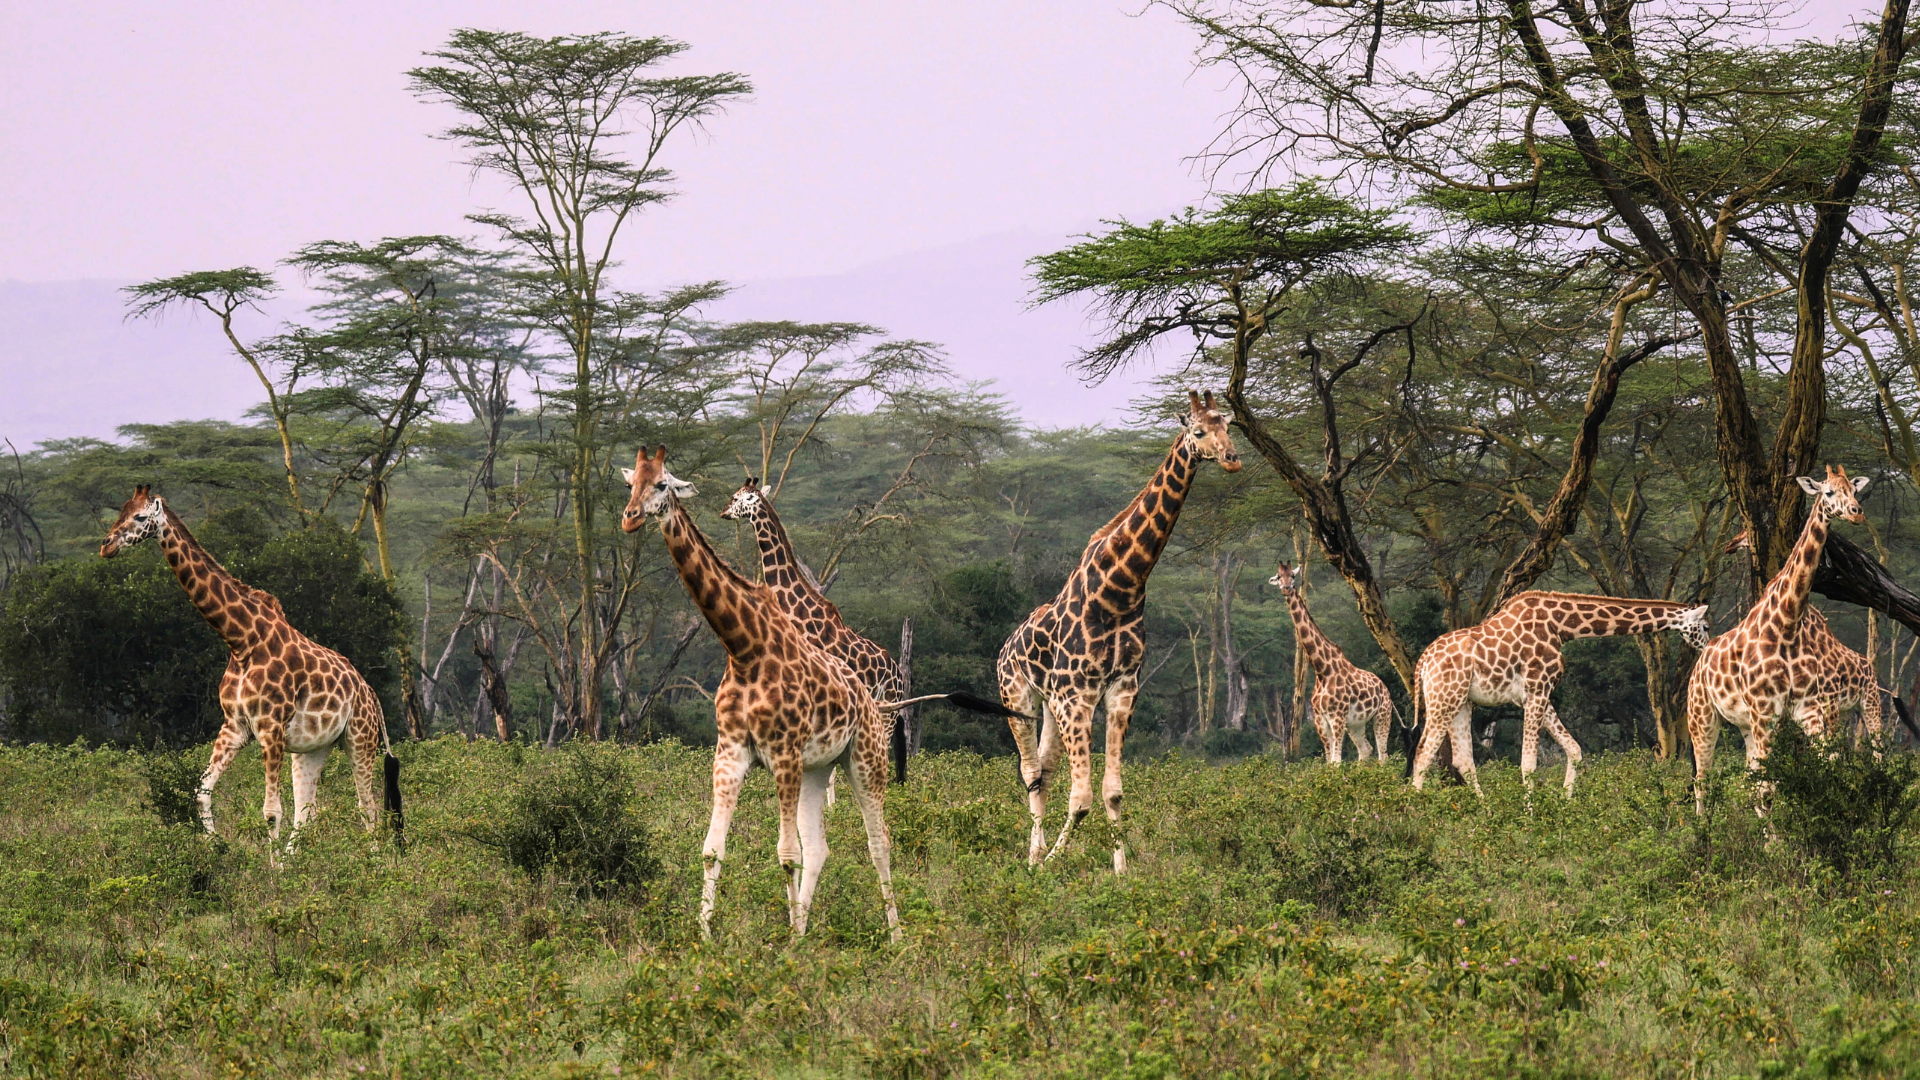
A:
{"x": 1497, "y": 297}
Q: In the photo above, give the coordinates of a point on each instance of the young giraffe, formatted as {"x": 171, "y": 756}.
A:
{"x": 1345, "y": 697}
{"x": 1747, "y": 675}
{"x": 1828, "y": 677}
{"x": 794, "y": 589}
{"x": 1513, "y": 658}
{"x": 1085, "y": 646}
{"x": 785, "y": 702}
{"x": 295, "y": 696}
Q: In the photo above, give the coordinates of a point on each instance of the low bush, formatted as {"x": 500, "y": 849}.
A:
{"x": 1844, "y": 805}
{"x": 572, "y": 817}
{"x": 173, "y": 784}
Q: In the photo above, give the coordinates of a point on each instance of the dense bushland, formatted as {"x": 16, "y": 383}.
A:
{"x": 1285, "y": 919}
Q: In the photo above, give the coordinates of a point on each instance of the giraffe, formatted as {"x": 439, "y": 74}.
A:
{"x": 1748, "y": 674}
{"x": 1828, "y": 677}
{"x": 1345, "y": 697}
{"x": 297, "y": 697}
{"x": 800, "y": 597}
{"x": 1084, "y": 647}
{"x": 785, "y": 702}
{"x": 1513, "y": 658}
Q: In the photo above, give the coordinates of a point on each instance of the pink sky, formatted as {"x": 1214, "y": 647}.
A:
{"x": 149, "y": 139}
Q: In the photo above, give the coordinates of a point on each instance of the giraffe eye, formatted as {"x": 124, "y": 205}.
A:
{"x": 661, "y": 486}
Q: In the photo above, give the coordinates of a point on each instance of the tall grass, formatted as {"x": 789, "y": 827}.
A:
{"x": 1281, "y": 920}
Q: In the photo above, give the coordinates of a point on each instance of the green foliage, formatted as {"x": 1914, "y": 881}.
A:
{"x": 1279, "y": 919}
{"x": 173, "y": 785}
{"x": 574, "y": 819}
{"x": 112, "y": 649}
{"x": 1849, "y": 807}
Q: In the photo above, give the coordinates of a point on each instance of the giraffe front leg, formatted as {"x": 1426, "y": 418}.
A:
{"x": 272, "y": 733}
{"x": 867, "y": 778}
{"x": 1460, "y": 733}
{"x": 1703, "y": 730}
{"x": 786, "y": 786}
{"x": 234, "y": 734}
{"x": 731, "y": 760}
{"x": 1076, "y": 737}
{"x": 1120, "y": 698}
{"x": 1529, "y": 742}
{"x": 814, "y": 789}
{"x": 306, "y": 789}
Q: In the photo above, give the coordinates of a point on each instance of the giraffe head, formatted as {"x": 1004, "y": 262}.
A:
{"x": 651, "y": 488}
{"x": 140, "y": 517}
{"x": 1288, "y": 578}
{"x": 1837, "y": 496}
{"x": 746, "y": 502}
{"x": 1692, "y": 624}
{"x": 1208, "y": 429}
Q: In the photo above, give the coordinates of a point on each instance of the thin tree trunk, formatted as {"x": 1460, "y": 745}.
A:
{"x": 909, "y": 716}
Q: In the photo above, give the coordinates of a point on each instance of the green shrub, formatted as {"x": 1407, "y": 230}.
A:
{"x": 1843, "y": 805}
{"x": 571, "y": 816}
{"x": 1229, "y": 743}
{"x": 173, "y": 784}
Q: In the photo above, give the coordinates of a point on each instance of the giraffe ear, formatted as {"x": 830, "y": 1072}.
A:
{"x": 1860, "y": 483}
{"x": 1809, "y": 485}
{"x": 627, "y": 476}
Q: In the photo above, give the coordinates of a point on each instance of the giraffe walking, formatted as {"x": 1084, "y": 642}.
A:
{"x": 785, "y": 702}
{"x": 1346, "y": 699}
{"x": 1084, "y": 647}
{"x": 800, "y": 597}
{"x": 1513, "y": 658}
{"x": 297, "y": 697}
{"x": 1748, "y": 675}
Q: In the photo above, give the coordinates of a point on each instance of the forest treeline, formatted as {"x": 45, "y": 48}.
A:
{"x": 1546, "y": 324}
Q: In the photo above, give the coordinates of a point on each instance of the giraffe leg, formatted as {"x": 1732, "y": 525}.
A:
{"x": 306, "y": 788}
{"x": 234, "y": 734}
{"x": 1440, "y": 707}
{"x": 814, "y": 788}
{"x": 364, "y": 748}
{"x": 1382, "y": 728}
{"x": 1076, "y": 736}
{"x": 731, "y": 760}
{"x": 1703, "y": 728}
{"x": 1333, "y": 736}
{"x": 833, "y": 781}
{"x": 1021, "y": 695}
{"x": 786, "y": 788}
{"x": 868, "y": 780}
{"x": 1049, "y": 761}
{"x": 1529, "y": 740}
{"x": 1356, "y": 725}
{"x": 1120, "y": 697}
{"x": 1562, "y": 736}
{"x": 1460, "y": 733}
{"x": 272, "y": 733}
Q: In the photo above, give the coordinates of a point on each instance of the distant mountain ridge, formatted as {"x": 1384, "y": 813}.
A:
{"x": 74, "y": 365}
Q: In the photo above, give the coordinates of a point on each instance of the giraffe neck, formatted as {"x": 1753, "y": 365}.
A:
{"x": 784, "y": 574}
{"x": 727, "y": 600}
{"x": 1574, "y": 615}
{"x": 239, "y": 613}
{"x": 1135, "y": 537}
{"x": 1785, "y": 599}
{"x": 1324, "y": 655}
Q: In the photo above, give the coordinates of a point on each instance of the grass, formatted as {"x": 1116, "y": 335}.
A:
{"x": 1281, "y": 920}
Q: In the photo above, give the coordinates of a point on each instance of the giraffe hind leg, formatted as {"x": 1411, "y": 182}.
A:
{"x": 868, "y": 780}
{"x": 306, "y": 789}
{"x": 814, "y": 787}
{"x": 731, "y": 760}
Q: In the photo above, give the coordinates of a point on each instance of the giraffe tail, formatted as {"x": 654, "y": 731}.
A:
{"x": 1906, "y": 716}
{"x": 1415, "y": 726}
{"x": 969, "y": 702}
{"x": 390, "y": 776}
{"x": 899, "y": 752}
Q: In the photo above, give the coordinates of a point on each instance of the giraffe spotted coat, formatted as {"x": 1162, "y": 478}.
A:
{"x": 1347, "y": 699}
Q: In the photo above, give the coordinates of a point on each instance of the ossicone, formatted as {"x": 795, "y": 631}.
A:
{"x": 1193, "y": 400}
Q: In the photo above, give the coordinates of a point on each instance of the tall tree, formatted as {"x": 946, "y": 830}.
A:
{"x": 577, "y": 126}
{"x": 1652, "y": 131}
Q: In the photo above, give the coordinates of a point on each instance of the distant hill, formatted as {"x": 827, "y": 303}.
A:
{"x": 73, "y": 365}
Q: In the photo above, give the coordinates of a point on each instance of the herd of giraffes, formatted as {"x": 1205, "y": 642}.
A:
{"x": 804, "y": 694}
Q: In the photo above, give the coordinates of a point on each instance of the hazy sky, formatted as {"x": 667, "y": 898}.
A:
{"x": 145, "y": 139}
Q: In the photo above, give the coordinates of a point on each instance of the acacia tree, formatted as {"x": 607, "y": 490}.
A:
{"x": 224, "y": 293}
{"x": 576, "y": 125}
{"x": 1655, "y": 132}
